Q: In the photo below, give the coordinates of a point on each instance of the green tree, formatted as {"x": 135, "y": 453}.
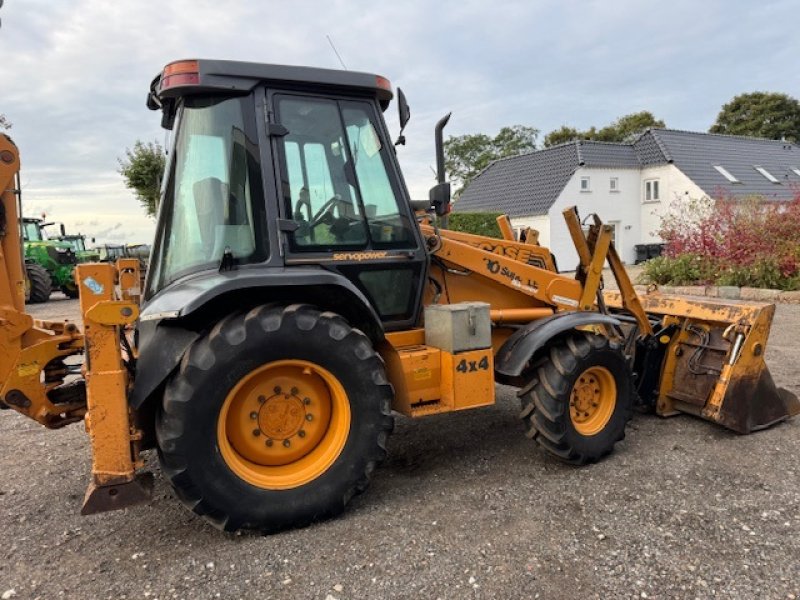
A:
{"x": 628, "y": 127}
{"x": 624, "y": 129}
{"x": 561, "y": 136}
{"x": 760, "y": 114}
{"x": 468, "y": 155}
{"x": 142, "y": 168}
{"x": 4, "y": 122}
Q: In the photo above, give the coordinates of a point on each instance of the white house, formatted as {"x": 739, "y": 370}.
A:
{"x": 629, "y": 185}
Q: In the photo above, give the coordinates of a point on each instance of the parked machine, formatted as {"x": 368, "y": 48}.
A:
{"x": 77, "y": 242}
{"x": 50, "y": 263}
{"x": 296, "y": 297}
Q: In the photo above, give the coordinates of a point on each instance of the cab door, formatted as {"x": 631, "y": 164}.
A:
{"x": 343, "y": 195}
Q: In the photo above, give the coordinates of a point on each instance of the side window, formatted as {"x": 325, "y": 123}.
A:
{"x": 388, "y": 224}
{"x": 336, "y": 177}
{"x": 318, "y": 186}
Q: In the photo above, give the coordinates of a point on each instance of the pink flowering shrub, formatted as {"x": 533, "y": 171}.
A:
{"x": 752, "y": 242}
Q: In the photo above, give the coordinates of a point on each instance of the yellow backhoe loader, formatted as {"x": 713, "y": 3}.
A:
{"x": 296, "y": 297}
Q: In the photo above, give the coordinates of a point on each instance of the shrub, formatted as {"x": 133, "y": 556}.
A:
{"x": 484, "y": 223}
{"x": 752, "y": 242}
{"x": 684, "y": 269}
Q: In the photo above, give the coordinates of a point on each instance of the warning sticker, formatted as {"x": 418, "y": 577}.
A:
{"x": 422, "y": 374}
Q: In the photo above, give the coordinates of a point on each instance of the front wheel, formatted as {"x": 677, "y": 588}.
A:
{"x": 275, "y": 419}
{"x": 70, "y": 291}
{"x": 38, "y": 285}
{"x": 579, "y": 399}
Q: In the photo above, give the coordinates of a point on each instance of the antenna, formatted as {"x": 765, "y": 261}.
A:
{"x": 335, "y": 51}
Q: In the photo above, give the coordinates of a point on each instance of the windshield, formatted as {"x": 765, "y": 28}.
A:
{"x": 31, "y": 231}
{"x": 75, "y": 243}
{"x": 213, "y": 199}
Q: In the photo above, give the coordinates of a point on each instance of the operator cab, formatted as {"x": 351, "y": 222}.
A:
{"x": 279, "y": 167}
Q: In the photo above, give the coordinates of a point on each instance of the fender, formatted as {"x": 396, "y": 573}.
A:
{"x": 523, "y": 345}
{"x": 175, "y": 317}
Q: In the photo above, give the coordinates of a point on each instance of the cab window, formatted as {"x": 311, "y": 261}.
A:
{"x": 335, "y": 180}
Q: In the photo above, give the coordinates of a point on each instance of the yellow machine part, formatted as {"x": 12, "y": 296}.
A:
{"x": 714, "y": 366}
{"x": 429, "y": 380}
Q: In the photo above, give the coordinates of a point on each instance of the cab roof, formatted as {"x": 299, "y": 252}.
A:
{"x": 193, "y": 76}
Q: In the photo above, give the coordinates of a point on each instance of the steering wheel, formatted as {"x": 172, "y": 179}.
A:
{"x": 325, "y": 213}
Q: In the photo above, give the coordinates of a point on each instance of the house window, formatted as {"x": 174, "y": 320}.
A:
{"x": 585, "y": 184}
{"x": 726, "y": 174}
{"x": 651, "y": 193}
{"x": 767, "y": 174}
{"x": 613, "y": 184}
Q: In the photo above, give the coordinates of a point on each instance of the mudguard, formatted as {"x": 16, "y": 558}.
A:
{"x": 523, "y": 344}
{"x": 172, "y": 320}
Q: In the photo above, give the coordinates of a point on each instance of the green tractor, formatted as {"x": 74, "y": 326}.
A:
{"x": 49, "y": 264}
{"x": 77, "y": 242}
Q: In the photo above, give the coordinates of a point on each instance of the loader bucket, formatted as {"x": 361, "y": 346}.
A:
{"x": 713, "y": 366}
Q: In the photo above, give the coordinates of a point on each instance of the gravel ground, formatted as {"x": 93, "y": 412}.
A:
{"x": 465, "y": 507}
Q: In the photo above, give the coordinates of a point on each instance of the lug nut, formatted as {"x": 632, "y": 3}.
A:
{"x": 286, "y": 443}
{"x": 261, "y": 399}
{"x": 306, "y": 401}
{"x": 254, "y": 415}
{"x": 309, "y": 417}
{"x": 269, "y": 442}
{"x": 301, "y": 433}
{"x": 256, "y": 432}
{"x": 294, "y": 391}
{"x": 277, "y": 389}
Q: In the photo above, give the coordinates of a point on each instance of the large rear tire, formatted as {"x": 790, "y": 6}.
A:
{"x": 275, "y": 419}
{"x": 40, "y": 283}
{"x": 579, "y": 399}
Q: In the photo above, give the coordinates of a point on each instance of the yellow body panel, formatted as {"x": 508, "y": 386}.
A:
{"x": 430, "y": 381}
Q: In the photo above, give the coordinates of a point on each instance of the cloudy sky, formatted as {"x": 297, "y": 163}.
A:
{"x": 74, "y": 74}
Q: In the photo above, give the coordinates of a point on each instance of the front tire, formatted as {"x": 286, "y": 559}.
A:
{"x": 40, "y": 283}
{"x": 275, "y": 419}
{"x": 70, "y": 291}
{"x": 579, "y": 399}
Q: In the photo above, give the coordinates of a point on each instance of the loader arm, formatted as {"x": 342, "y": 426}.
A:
{"x": 700, "y": 357}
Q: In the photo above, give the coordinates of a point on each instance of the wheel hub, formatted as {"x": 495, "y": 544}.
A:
{"x": 282, "y": 416}
{"x": 279, "y": 415}
{"x": 592, "y": 400}
{"x": 585, "y": 396}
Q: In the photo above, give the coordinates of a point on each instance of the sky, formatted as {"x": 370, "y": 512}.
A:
{"x": 74, "y": 74}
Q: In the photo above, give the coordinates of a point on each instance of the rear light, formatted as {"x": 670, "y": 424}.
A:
{"x": 184, "y": 72}
{"x": 383, "y": 83}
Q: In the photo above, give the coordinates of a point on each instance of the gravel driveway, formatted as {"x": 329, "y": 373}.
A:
{"x": 465, "y": 507}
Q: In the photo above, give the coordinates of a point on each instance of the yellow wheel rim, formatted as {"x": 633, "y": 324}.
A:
{"x": 284, "y": 424}
{"x": 592, "y": 401}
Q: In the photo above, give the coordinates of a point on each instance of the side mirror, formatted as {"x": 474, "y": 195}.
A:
{"x": 403, "y": 109}
{"x": 417, "y": 205}
{"x": 440, "y": 198}
{"x": 93, "y": 240}
{"x": 404, "y": 114}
